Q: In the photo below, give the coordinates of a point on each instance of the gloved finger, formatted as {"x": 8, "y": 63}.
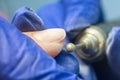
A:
{"x": 80, "y": 14}
{"x": 52, "y": 15}
{"x": 25, "y": 19}
{"x": 52, "y": 45}
{"x": 22, "y": 59}
{"x": 113, "y": 49}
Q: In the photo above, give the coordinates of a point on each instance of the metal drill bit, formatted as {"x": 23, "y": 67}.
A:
{"x": 71, "y": 47}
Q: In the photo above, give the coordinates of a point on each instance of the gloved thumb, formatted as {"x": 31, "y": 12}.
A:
{"x": 51, "y": 40}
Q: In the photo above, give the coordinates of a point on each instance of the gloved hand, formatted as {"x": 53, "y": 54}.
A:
{"x": 24, "y": 20}
{"x": 22, "y": 59}
{"x": 113, "y": 49}
{"x": 52, "y": 21}
{"x": 72, "y": 25}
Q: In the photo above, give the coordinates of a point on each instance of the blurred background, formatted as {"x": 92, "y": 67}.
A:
{"x": 8, "y": 7}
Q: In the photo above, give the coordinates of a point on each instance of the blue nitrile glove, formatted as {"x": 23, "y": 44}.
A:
{"x": 53, "y": 20}
{"x": 22, "y": 59}
{"x": 27, "y": 20}
{"x": 73, "y": 16}
{"x": 79, "y": 15}
{"x": 24, "y": 20}
{"x": 113, "y": 49}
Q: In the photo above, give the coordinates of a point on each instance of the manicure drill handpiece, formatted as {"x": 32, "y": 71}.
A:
{"x": 90, "y": 43}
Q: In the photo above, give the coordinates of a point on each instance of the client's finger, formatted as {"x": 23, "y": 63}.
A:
{"x": 51, "y": 40}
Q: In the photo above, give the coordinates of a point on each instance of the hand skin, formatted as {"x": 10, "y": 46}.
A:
{"x": 50, "y": 40}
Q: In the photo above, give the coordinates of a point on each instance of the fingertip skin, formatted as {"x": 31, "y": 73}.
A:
{"x": 51, "y": 40}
